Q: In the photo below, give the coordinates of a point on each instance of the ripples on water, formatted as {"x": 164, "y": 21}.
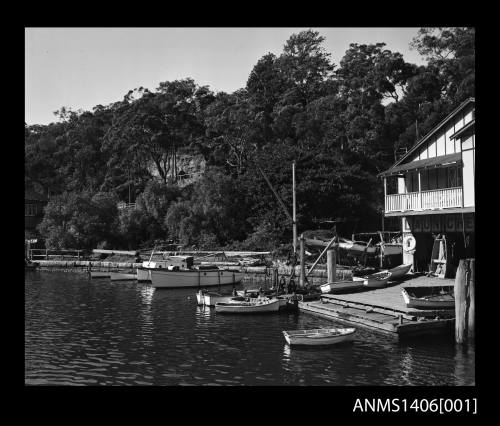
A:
{"x": 83, "y": 332}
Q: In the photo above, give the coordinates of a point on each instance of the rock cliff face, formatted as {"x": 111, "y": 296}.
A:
{"x": 190, "y": 167}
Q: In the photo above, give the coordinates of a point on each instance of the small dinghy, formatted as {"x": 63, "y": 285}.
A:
{"x": 429, "y": 297}
{"x": 319, "y": 336}
{"x": 341, "y": 287}
{"x": 377, "y": 280}
{"x": 253, "y": 306}
{"x": 399, "y": 271}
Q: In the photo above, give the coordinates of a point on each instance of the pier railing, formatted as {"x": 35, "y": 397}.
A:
{"x": 424, "y": 200}
{"x": 55, "y": 254}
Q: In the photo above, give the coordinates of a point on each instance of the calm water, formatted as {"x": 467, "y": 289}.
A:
{"x": 83, "y": 332}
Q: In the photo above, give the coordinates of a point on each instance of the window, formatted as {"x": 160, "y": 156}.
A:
{"x": 29, "y": 209}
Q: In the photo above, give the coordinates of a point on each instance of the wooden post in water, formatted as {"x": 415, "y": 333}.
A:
{"x": 331, "y": 266}
{"x": 472, "y": 301}
{"x": 302, "y": 263}
{"x": 464, "y": 295}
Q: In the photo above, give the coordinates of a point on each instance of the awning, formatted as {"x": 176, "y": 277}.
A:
{"x": 467, "y": 128}
{"x": 442, "y": 160}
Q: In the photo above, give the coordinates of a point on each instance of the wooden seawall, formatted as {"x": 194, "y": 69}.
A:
{"x": 384, "y": 310}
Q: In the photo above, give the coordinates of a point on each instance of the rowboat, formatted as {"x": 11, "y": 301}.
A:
{"x": 121, "y": 276}
{"x": 377, "y": 280}
{"x": 429, "y": 297}
{"x": 175, "y": 278}
{"x": 98, "y": 274}
{"x": 255, "y": 306}
{"x": 341, "y": 286}
{"x": 400, "y": 271}
{"x": 320, "y": 336}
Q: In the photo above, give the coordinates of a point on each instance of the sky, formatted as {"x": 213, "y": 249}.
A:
{"x": 84, "y": 67}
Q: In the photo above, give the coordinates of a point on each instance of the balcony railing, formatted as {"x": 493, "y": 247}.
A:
{"x": 425, "y": 200}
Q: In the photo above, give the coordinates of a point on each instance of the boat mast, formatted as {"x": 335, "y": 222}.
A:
{"x": 294, "y": 219}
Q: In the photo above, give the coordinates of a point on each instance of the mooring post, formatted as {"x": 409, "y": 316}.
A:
{"x": 464, "y": 293}
{"x": 472, "y": 301}
{"x": 331, "y": 266}
{"x": 302, "y": 262}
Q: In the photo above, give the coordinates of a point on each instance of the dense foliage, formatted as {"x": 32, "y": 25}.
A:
{"x": 341, "y": 123}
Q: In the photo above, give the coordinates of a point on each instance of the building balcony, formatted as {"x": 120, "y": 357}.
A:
{"x": 425, "y": 200}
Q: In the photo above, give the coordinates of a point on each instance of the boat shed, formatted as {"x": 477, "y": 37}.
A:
{"x": 431, "y": 190}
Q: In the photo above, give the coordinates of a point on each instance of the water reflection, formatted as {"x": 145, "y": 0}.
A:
{"x": 97, "y": 332}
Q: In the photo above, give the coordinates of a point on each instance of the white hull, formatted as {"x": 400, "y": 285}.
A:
{"x": 97, "y": 274}
{"x": 212, "y": 299}
{"x": 143, "y": 274}
{"x": 400, "y": 271}
{"x": 118, "y": 276}
{"x": 248, "y": 307}
{"x": 193, "y": 278}
{"x": 375, "y": 280}
{"x": 420, "y": 303}
{"x": 319, "y": 336}
{"x": 341, "y": 286}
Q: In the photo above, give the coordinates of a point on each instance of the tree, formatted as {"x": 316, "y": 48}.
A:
{"x": 80, "y": 220}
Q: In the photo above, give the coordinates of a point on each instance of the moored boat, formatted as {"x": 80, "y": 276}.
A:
{"x": 260, "y": 305}
{"x": 98, "y": 274}
{"x": 429, "y": 297}
{"x": 320, "y": 336}
{"x": 175, "y": 278}
{"x": 377, "y": 280}
{"x": 400, "y": 271}
{"x": 341, "y": 286}
{"x": 211, "y": 298}
{"x": 122, "y": 276}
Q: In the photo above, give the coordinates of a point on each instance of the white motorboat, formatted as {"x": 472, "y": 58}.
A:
{"x": 320, "y": 336}
{"x": 254, "y": 306}
{"x": 210, "y": 298}
{"x": 176, "y": 277}
{"x": 341, "y": 286}
{"x": 144, "y": 271}
{"x": 121, "y": 276}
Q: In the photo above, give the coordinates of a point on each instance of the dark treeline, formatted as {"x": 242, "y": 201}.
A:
{"x": 342, "y": 124}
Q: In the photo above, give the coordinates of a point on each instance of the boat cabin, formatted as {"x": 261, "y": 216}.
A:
{"x": 183, "y": 262}
{"x": 431, "y": 190}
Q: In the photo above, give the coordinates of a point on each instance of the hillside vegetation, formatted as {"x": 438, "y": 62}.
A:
{"x": 342, "y": 124}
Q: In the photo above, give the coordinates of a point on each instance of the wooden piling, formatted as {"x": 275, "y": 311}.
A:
{"x": 472, "y": 301}
{"x": 464, "y": 294}
{"x": 331, "y": 265}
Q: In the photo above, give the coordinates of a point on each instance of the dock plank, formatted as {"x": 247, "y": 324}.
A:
{"x": 391, "y": 299}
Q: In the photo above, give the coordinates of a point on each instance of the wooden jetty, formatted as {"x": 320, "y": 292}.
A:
{"x": 384, "y": 309}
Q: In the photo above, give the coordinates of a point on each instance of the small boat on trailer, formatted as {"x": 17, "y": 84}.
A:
{"x": 122, "y": 276}
{"x": 254, "y": 306}
{"x": 341, "y": 287}
{"x": 377, "y": 280}
{"x": 429, "y": 297}
{"x": 319, "y": 336}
